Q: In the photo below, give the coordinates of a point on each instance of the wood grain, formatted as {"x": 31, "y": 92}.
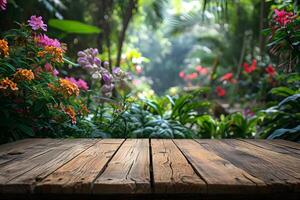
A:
{"x": 20, "y": 177}
{"x": 172, "y": 173}
{"x": 289, "y": 164}
{"x": 287, "y": 143}
{"x": 143, "y": 168}
{"x": 274, "y": 177}
{"x": 220, "y": 175}
{"x": 23, "y": 149}
{"x": 128, "y": 171}
{"x": 273, "y": 146}
{"x": 77, "y": 175}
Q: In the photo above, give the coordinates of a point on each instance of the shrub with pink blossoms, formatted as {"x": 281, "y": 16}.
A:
{"x": 3, "y": 4}
{"x": 37, "y": 23}
{"x": 44, "y": 40}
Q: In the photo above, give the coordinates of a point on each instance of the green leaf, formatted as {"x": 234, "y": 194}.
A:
{"x": 26, "y": 129}
{"x": 282, "y": 91}
{"x": 71, "y": 26}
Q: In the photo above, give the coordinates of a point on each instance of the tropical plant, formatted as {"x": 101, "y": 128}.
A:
{"x": 281, "y": 121}
{"x": 234, "y": 125}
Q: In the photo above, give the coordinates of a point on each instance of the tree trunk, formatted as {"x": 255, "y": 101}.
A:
{"x": 261, "y": 26}
{"x": 125, "y": 22}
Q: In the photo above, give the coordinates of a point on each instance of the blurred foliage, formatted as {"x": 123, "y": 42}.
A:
{"x": 197, "y": 55}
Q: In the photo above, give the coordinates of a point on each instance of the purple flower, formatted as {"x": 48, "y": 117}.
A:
{"x": 88, "y": 59}
{"x": 116, "y": 70}
{"x": 106, "y": 78}
{"x": 97, "y": 61}
{"x": 3, "y": 4}
{"x": 81, "y": 54}
{"x": 37, "y": 23}
{"x": 106, "y": 65}
{"x": 44, "y": 40}
{"x": 106, "y": 90}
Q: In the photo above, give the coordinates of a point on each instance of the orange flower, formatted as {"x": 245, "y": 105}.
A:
{"x": 55, "y": 52}
{"x": 24, "y": 75}
{"x": 71, "y": 113}
{"x": 66, "y": 88}
{"x": 6, "y": 83}
{"x": 84, "y": 110}
{"x": 4, "y": 49}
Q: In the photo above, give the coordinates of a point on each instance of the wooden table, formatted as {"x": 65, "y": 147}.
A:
{"x": 149, "y": 169}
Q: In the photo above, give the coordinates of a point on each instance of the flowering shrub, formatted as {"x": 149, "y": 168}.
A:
{"x": 284, "y": 37}
{"x": 33, "y": 100}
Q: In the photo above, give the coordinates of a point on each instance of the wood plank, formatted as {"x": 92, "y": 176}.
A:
{"x": 286, "y": 143}
{"x": 77, "y": 175}
{"x": 21, "y": 148}
{"x": 20, "y": 177}
{"x": 171, "y": 171}
{"x": 220, "y": 175}
{"x": 128, "y": 171}
{"x": 289, "y": 164}
{"x": 273, "y": 146}
{"x": 275, "y": 178}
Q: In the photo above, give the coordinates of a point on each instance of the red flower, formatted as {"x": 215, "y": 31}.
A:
{"x": 270, "y": 70}
{"x": 181, "y": 74}
{"x": 248, "y": 69}
{"x": 283, "y": 18}
{"x": 220, "y": 91}
{"x": 226, "y": 77}
{"x": 192, "y": 76}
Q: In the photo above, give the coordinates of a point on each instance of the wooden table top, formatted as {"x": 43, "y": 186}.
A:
{"x": 150, "y": 167}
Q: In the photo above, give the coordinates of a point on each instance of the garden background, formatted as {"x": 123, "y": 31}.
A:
{"x": 149, "y": 69}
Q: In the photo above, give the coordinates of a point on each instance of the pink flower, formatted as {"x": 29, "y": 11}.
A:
{"x": 82, "y": 84}
{"x": 247, "y": 112}
{"x": 204, "y": 71}
{"x": 136, "y": 82}
{"x": 201, "y": 70}
{"x": 72, "y": 79}
{"x": 198, "y": 68}
{"x": 283, "y": 17}
{"x": 37, "y": 23}
{"x": 48, "y": 67}
{"x": 181, "y": 74}
{"x": 55, "y": 72}
{"x": 44, "y": 40}
{"x": 192, "y": 76}
{"x": 220, "y": 91}
{"x": 3, "y": 4}
{"x": 138, "y": 69}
